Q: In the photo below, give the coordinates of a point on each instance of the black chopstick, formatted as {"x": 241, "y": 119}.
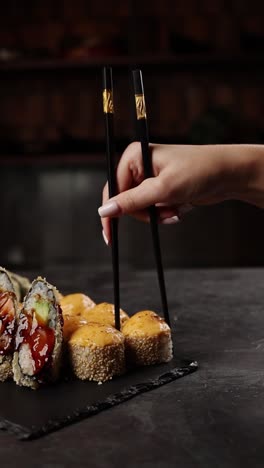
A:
{"x": 142, "y": 130}
{"x": 108, "y": 107}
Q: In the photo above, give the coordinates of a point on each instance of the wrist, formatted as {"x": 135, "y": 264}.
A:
{"x": 244, "y": 172}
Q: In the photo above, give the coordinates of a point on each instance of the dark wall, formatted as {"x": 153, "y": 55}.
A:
{"x": 49, "y": 217}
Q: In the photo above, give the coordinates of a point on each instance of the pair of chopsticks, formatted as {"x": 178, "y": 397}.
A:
{"x": 142, "y": 130}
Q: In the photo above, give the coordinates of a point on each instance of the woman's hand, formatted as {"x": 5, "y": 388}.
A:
{"x": 183, "y": 176}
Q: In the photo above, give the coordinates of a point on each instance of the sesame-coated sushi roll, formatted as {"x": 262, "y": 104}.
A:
{"x": 104, "y": 313}
{"x": 76, "y": 304}
{"x": 147, "y": 339}
{"x": 71, "y": 324}
{"x": 97, "y": 352}
{"x": 8, "y": 312}
{"x": 39, "y": 337}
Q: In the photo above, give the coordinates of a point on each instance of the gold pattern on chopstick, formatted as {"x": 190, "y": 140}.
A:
{"x": 140, "y": 106}
{"x": 108, "y": 104}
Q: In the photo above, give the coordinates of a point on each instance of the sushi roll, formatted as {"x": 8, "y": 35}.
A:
{"x": 8, "y": 312}
{"x": 104, "y": 313}
{"x": 71, "y": 324}
{"x": 97, "y": 352}
{"x": 39, "y": 337}
{"x": 147, "y": 339}
{"x": 21, "y": 285}
{"x": 76, "y": 304}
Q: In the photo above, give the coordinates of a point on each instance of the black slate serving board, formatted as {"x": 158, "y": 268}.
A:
{"x": 31, "y": 414}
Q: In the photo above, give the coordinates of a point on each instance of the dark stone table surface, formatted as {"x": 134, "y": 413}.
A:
{"x": 212, "y": 418}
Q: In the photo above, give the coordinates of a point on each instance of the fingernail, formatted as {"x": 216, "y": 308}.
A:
{"x": 183, "y": 209}
{"x": 109, "y": 209}
{"x": 172, "y": 220}
{"x": 105, "y": 238}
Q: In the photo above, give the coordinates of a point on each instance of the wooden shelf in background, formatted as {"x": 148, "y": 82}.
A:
{"x": 246, "y": 62}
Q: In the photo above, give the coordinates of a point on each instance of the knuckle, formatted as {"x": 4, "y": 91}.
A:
{"x": 134, "y": 147}
{"x": 131, "y": 153}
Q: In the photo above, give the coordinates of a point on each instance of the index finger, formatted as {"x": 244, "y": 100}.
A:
{"x": 129, "y": 173}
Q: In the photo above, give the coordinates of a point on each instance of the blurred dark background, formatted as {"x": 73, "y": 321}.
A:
{"x": 203, "y": 70}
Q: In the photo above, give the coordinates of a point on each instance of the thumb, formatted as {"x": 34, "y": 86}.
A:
{"x": 147, "y": 193}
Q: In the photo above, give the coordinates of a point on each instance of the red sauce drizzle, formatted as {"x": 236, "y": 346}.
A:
{"x": 7, "y": 323}
{"x": 40, "y": 338}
